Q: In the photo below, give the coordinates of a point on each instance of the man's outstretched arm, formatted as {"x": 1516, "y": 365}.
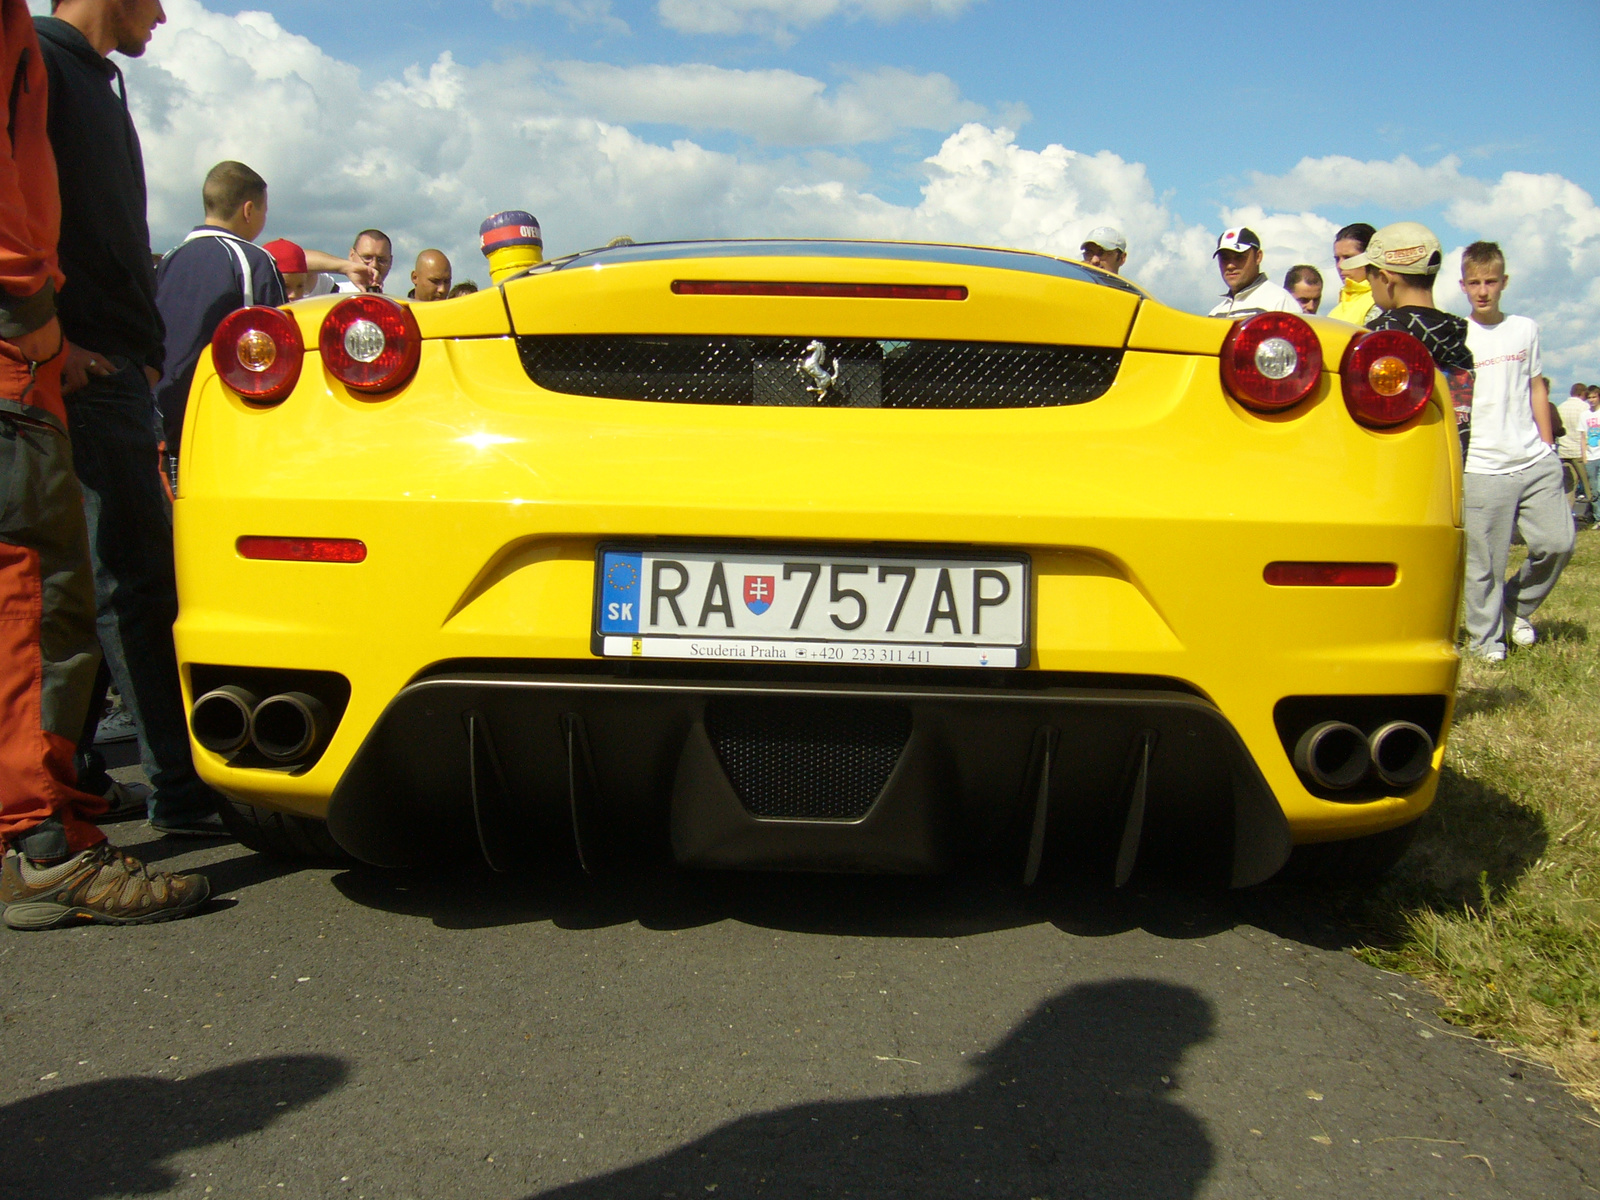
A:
{"x": 328, "y": 264}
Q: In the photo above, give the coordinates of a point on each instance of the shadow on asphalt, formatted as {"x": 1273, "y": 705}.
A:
{"x": 1081, "y": 1099}
{"x": 961, "y": 904}
{"x": 1474, "y": 835}
{"x": 113, "y": 1137}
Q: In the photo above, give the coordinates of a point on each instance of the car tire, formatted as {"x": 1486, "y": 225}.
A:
{"x": 281, "y": 835}
{"x": 1331, "y": 864}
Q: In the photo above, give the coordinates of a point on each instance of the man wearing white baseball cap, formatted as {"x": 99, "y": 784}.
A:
{"x": 1106, "y": 248}
{"x": 1250, "y": 292}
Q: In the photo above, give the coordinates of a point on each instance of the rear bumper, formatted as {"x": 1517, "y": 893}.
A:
{"x": 591, "y": 765}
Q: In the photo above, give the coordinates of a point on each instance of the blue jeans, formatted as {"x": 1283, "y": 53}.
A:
{"x": 113, "y": 424}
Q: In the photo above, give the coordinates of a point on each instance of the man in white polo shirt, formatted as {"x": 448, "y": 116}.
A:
{"x": 1238, "y": 256}
{"x": 1513, "y": 477}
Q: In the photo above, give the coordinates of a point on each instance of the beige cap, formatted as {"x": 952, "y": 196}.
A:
{"x": 1406, "y": 248}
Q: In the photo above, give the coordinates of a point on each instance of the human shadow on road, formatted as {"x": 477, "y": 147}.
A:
{"x": 113, "y": 1137}
{"x": 1082, "y": 1099}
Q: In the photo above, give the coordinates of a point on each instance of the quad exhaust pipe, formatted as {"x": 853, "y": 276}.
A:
{"x": 1337, "y": 756}
{"x": 286, "y": 729}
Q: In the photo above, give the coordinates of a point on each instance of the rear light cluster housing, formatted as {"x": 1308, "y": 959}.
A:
{"x": 1273, "y": 361}
{"x": 258, "y": 352}
{"x": 369, "y": 343}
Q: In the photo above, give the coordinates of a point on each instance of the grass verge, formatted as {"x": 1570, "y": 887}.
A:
{"x": 1497, "y": 904}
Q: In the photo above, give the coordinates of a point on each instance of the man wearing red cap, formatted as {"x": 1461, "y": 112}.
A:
{"x": 58, "y": 868}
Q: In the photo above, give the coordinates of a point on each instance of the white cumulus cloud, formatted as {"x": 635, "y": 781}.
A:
{"x": 1395, "y": 184}
{"x": 1549, "y": 228}
{"x": 773, "y": 106}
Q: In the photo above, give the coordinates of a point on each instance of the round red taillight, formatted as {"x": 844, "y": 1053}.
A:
{"x": 257, "y": 352}
{"x": 1271, "y": 361}
{"x": 370, "y": 343}
{"x": 1387, "y": 377}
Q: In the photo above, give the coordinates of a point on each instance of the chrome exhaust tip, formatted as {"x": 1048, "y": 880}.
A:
{"x": 289, "y": 726}
{"x": 1402, "y": 753}
{"x": 221, "y": 718}
{"x": 1333, "y": 754}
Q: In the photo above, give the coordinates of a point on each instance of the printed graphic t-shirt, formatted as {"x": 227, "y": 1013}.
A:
{"x": 1504, "y": 437}
{"x": 1591, "y": 435}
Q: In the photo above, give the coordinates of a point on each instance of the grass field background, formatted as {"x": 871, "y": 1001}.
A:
{"x": 1496, "y": 906}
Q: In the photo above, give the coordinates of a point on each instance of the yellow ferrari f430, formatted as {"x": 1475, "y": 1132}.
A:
{"x": 812, "y": 555}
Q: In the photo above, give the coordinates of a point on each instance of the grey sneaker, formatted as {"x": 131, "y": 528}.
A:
{"x": 1523, "y": 633}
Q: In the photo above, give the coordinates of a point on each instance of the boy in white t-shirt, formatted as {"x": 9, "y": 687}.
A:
{"x": 1513, "y": 477}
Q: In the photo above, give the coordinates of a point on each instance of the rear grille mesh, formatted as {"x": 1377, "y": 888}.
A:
{"x": 871, "y": 373}
{"x": 813, "y": 760}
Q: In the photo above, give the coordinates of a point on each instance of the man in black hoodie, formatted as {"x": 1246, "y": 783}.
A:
{"x": 109, "y": 315}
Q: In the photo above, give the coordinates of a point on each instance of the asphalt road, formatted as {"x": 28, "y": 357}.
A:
{"x": 320, "y": 1032}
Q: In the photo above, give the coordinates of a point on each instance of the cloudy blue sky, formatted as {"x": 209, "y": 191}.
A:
{"x": 1010, "y": 123}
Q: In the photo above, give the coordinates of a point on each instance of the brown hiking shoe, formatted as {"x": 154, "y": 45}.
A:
{"x": 99, "y": 886}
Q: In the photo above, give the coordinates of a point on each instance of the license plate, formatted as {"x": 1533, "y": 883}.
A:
{"x": 765, "y": 605}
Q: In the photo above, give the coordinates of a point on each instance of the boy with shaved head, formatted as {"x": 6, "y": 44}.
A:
{"x": 217, "y": 270}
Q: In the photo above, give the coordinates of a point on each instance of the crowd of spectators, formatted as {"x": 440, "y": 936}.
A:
{"x": 86, "y": 564}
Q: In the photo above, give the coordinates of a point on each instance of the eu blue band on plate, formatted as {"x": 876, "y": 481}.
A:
{"x": 619, "y": 593}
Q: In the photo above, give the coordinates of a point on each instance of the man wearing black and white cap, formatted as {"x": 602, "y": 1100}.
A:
{"x": 1106, "y": 248}
{"x": 1250, "y": 292}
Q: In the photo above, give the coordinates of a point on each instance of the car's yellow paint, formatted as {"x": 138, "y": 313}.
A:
{"x": 1149, "y": 513}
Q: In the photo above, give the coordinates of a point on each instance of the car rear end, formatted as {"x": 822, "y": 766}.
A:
{"x": 1197, "y": 610}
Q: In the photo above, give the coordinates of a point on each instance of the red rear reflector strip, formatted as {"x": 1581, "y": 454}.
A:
{"x": 288, "y": 549}
{"x": 1330, "y": 574}
{"x": 850, "y": 291}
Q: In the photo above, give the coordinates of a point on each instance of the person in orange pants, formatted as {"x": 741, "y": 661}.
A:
{"x": 58, "y": 868}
